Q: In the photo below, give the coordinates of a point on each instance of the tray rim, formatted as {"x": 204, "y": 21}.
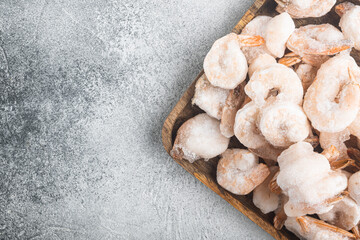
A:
{"x": 166, "y": 135}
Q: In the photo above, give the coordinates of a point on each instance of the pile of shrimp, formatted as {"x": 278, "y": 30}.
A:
{"x": 290, "y": 97}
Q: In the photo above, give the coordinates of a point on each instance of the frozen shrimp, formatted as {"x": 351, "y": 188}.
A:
{"x": 309, "y": 228}
{"x": 350, "y": 21}
{"x": 277, "y": 33}
{"x": 337, "y": 140}
{"x": 247, "y": 132}
{"x": 305, "y": 8}
{"x": 323, "y": 39}
{"x": 233, "y": 103}
{"x": 199, "y": 137}
{"x": 209, "y": 98}
{"x": 354, "y": 187}
{"x": 307, "y": 74}
{"x": 332, "y": 101}
{"x": 307, "y": 179}
{"x": 275, "y": 81}
{"x": 284, "y": 123}
{"x": 225, "y": 65}
{"x": 240, "y": 172}
{"x": 255, "y": 27}
{"x": 345, "y": 214}
{"x": 292, "y": 58}
{"x": 260, "y": 62}
{"x": 263, "y": 198}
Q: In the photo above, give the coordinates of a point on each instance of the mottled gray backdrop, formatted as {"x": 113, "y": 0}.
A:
{"x": 85, "y": 86}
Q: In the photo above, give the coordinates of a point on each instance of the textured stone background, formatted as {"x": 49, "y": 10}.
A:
{"x": 85, "y": 86}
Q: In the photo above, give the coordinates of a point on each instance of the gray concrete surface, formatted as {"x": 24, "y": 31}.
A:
{"x": 85, "y": 86}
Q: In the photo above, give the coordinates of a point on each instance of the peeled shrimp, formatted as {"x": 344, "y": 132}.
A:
{"x": 305, "y": 8}
{"x": 199, "y": 137}
{"x": 284, "y": 123}
{"x": 233, "y": 103}
{"x": 275, "y": 79}
{"x": 239, "y": 171}
{"x": 263, "y": 198}
{"x": 345, "y": 214}
{"x": 225, "y": 65}
{"x": 332, "y": 101}
{"x": 307, "y": 179}
{"x": 260, "y": 62}
{"x": 313, "y": 229}
{"x": 323, "y": 39}
{"x": 247, "y": 132}
{"x": 277, "y": 33}
{"x": 337, "y": 140}
{"x": 209, "y": 98}
{"x": 350, "y": 22}
{"x": 307, "y": 74}
{"x": 255, "y": 27}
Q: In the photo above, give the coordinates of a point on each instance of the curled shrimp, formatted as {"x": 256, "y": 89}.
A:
{"x": 306, "y": 227}
{"x": 233, "y": 103}
{"x": 305, "y": 8}
{"x": 225, "y": 65}
{"x": 255, "y": 27}
{"x": 323, "y": 39}
{"x": 332, "y": 101}
{"x": 307, "y": 179}
{"x": 247, "y": 132}
{"x": 277, "y": 80}
{"x": 277, "y": 33}
{"x": 199, "y": 137}
{"x": 283, "y": 124}
{"x": 240, "y": 172}
{"x": 350, "y": 21}
{"x": 209, "y": 98}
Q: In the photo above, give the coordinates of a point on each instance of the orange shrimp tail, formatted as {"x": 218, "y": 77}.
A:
{"x": 251, "y": 41}
{"x": 335, "y": 50}
{"x": 290, "y": 61}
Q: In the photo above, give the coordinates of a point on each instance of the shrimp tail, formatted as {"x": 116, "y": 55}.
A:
{"x": 342, "y": 8}
{"x": 250, "y": 41}
{"x": 290, "y": 59}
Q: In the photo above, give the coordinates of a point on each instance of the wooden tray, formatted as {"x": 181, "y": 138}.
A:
{"x": 206, "y": 171}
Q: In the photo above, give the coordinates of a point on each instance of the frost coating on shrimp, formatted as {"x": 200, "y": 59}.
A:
{"x": 260, "y": 62}
{"x": 354, "y": 187}
{"x": 337, "y": 140}
{"x": 313, "y": 229}
{"x": 239, "y": 171}
{"x": 332, "y": 101}
{"x": 323, "y": 39}
{"x": 233, "y": 103}
{"x": 354, "y": 127}
{"x": 307, "y": 74}
{"x": 275, "y": 78}
{"x": 305, "y": 8}
{"x": 277, "y": 33}
{"x": 225, "y": 65}
{"x": 345, "y": 214}
{"x": 263, "y": 198}
{"x": 283, "y": 124}
{"x": 209, "y": 98}
{"x": 199, "y": 137}
{"x": 255, "y": 27}
{"x": 307, "y": 179}
{"x": 245, "y": 128}
{"x": 350, "y": 23}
